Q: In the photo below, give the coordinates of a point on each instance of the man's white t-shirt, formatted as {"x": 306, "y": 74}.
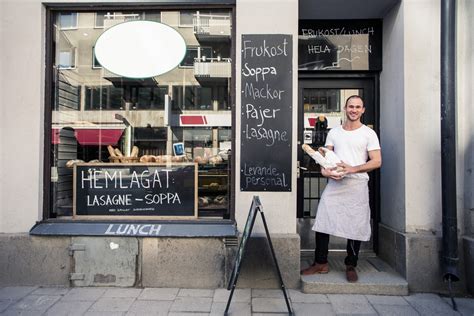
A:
{"x": 352, "y": 147}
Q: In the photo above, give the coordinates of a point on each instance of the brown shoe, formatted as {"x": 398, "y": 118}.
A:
{"x": 351, "y": 274}
{"x": 322, "y": 268}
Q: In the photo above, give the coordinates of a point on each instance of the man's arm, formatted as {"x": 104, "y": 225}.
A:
{"x": 375, "y": 162}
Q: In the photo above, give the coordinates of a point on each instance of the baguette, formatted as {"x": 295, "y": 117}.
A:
{"x": 111, "y": 151}
{"x": 134, "y": 152}
{"x": 118, "y": 153}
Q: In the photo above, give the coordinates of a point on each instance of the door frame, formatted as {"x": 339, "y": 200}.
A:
{"x": 342, "y": 80}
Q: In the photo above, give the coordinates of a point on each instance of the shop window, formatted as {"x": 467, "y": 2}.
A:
{"x": 150, "y": 98}
{"x": 194, "y": 54}
{"x": 95, "y": 62}
{"x": 103, "y": 98}
{"x": 186, "y": 18}
{"x": 67, "y": 58}
{"x": 192, "y": 98}
{"x": 94, "y": 110}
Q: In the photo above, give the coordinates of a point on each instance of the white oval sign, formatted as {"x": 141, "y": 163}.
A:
{"x": 140, "y": 49}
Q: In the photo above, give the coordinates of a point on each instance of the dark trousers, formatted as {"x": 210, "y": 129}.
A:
{"x": 322, "y": 249}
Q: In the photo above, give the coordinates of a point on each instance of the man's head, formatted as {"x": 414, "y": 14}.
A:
{"x": 354, "y": 108}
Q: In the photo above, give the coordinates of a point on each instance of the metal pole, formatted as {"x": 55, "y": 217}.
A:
{"x": 448, "y": 140}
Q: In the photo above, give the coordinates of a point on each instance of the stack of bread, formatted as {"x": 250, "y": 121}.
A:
{"x": 117, "y": 156}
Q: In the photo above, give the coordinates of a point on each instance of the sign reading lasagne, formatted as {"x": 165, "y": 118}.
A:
{"x": 135, "y": 190}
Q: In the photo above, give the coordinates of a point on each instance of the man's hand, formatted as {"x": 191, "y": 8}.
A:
{"x": 331, "y": 173}
{"x": 348, "y": 169}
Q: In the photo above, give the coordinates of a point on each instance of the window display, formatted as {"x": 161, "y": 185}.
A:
{"x": 183, "y": 116}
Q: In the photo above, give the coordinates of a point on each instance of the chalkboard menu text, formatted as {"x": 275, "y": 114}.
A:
{"x": 340, "y": 45}
{"x": 266, "y": 122}
{"x": 135, "y": 190}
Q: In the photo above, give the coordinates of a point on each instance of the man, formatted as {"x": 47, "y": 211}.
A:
{"x": 344, "y": 209}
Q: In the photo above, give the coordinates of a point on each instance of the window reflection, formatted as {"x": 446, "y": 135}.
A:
{"x": 94, "y": 108}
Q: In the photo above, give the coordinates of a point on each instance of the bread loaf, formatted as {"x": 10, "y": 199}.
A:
{"x": 111, "y": 151}
{"x": 134, "y": 152}
{"x": 118, "y": 153}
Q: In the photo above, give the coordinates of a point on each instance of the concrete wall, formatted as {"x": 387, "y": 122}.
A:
{"x": 411, "y": 231}
{"x": 392, "y": 122}
{"x": 422, "y": 115}
{"x": 21, "y": 120}
{"x": 257, "y": 18}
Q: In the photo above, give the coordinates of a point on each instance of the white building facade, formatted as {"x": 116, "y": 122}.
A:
{"x": 58, "y": 104}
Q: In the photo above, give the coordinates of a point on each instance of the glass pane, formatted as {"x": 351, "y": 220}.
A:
{"x": 98, "y": 115}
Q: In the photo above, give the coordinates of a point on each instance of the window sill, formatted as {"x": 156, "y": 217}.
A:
{"x": 123, "y": 228}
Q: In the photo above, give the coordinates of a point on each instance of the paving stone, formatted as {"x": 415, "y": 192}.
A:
{"x": 51, "y": 291}
{"x": 5, "y": 303}
{"x": 240, "y": 295}
{"x": 195, "y": 293}
{"x": 270, "y": 314}
{"x": 11, "y": 312}
{"x": 84, "y": 294}
{"x": 465, "y": 305}
{"x": 142, "y": 307}
{"x": 386, "y": 300}
{"x": 104, "y": 314}
{"x": 35, "y": 303}
{"x": 187, "y": 314}
{"x": 159, "y": 294}
{"x": 235, "y": 309}
{"x": 301, "y": 309}
{"x": 267, "y": 293}
{"x": 298, "y": 297}
{"x": 192, "y": 304}
{"x": 345, "y": 304}
{"x": 15, "y": 292}
{"x": 430, "y": 304}
{"x": 112, "y": 304}
{"x": 69, "y": 308}
{"x": 268, "y": 305}
{"x": 395, "y": 310}
{"x": 130, "y": 293}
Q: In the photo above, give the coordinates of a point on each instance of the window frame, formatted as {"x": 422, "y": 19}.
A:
{"x": 51, "y": 10}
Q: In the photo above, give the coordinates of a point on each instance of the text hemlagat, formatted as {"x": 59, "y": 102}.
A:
{"x": 103, "y": 179}
{"x": 261, "y": 49}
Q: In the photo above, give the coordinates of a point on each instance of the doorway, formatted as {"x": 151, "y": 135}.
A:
{"x": 321, "y": 103}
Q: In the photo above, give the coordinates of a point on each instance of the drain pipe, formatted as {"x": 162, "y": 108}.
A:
{"x": 448, "y": 142}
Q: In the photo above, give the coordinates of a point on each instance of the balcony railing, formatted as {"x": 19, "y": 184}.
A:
{"x": 213, "y": 67}
{"x": 210, "y": 24}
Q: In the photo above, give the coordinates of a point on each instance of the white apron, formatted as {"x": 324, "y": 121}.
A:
{"x": 344, "y": 209}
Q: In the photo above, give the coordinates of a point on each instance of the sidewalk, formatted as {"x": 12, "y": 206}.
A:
{"x": 174, "y": 301}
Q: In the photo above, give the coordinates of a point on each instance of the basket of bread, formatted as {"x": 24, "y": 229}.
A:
{"x": 117, "y": 156}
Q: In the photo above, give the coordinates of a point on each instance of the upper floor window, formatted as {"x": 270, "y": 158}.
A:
{"x": 67, "y": 20}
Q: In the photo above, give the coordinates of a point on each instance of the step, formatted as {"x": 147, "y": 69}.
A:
{"x": 375, "y": 277}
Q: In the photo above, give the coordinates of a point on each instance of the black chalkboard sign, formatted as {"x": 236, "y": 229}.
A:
{"x": 266, "y": 107}
{"x": 135, "y": 190}
{"x": 333, "y": 45}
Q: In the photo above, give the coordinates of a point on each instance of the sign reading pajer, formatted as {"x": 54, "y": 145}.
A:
{"x": 140, "y": 49}
{"x": 134, "y": 190}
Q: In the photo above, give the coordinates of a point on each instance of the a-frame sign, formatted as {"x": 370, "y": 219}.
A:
{"x": 254, "y": 208}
